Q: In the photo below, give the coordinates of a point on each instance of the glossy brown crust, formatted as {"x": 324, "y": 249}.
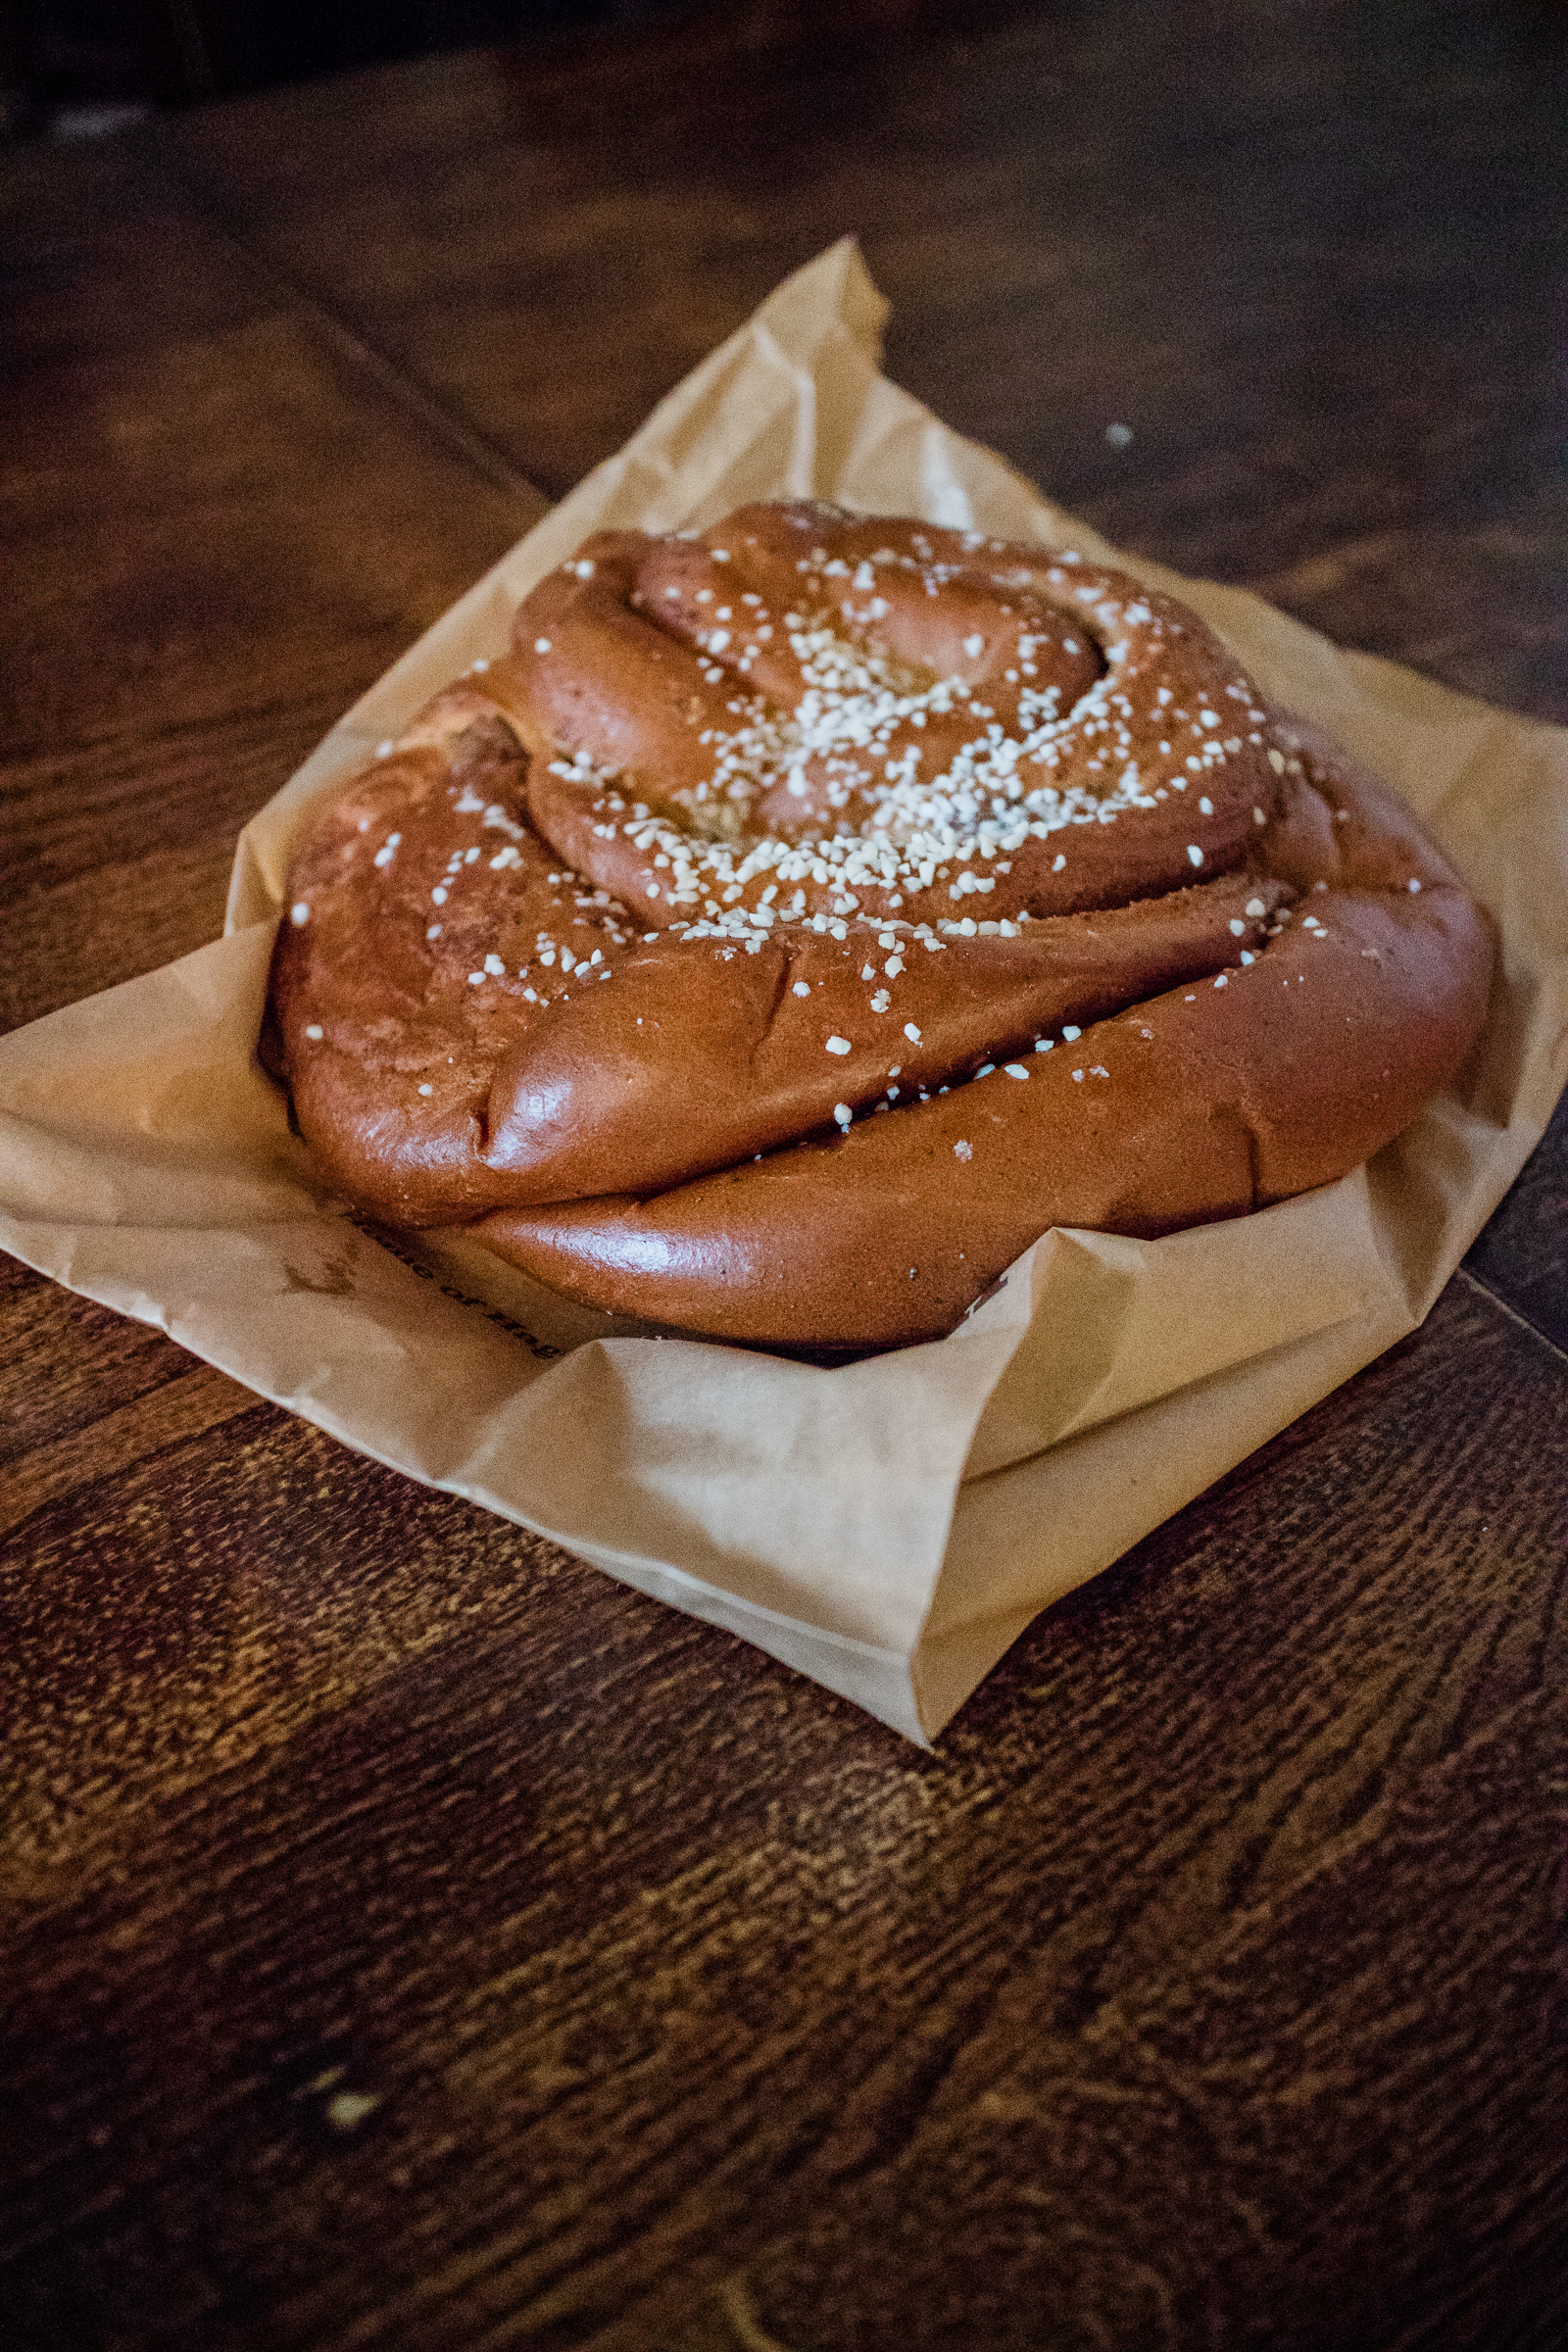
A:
{"x": 383, "y": 1017}
{"x": 783, "y": 1104}
{"x": 1200, "y": 1105}
{"x": 588, "y": 1107}
{"x": 661, "y": 670}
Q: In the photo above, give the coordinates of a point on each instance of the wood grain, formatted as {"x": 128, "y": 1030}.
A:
{"x": 1522, "y": 1256}
{"x": 214, "y": 569}
{"x": 181, "y": 1407}
{"x": 1220, "y": 1928}
{"x": 1305, "y": 255}
{"x": 409, "y": 1940}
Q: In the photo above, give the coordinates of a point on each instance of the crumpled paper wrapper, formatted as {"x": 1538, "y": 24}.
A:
{"x": 889, "y": 1526}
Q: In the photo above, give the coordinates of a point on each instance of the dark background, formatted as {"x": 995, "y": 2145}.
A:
{"x": 61, "y": 60}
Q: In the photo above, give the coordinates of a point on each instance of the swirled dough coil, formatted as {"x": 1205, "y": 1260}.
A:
{"x": 812, "y": 912}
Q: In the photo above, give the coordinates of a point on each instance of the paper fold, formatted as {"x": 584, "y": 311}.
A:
{"x": 887, "y": 1526}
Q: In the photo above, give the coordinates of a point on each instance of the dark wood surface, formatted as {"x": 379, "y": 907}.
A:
{"x": 413, "y": 1938}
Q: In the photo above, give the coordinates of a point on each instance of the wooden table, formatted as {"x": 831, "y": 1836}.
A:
{"x": 416, "y": 1939}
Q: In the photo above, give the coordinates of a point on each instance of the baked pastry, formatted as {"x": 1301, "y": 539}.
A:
{"x": 812, "y": 911}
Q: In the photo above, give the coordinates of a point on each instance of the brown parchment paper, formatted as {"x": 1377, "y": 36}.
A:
{"x": 888, "y": 1527}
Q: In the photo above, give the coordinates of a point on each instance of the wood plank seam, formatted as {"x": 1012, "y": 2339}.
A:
{"x": 347, "y": 340}
{"x": 1463, "y": 1274}
{"x": 183, "y": 1408}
